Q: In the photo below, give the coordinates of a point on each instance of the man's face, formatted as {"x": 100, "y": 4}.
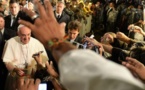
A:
{"x": 24, "y": 34}
{"x": 59, "y": 8}
{"x": 14, "y": 8}
{"x": 111, "y": 4}
{"x": 73, "y": 34}
{"x": 2, "y": 23}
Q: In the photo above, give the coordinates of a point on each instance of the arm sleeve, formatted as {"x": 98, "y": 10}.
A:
{"x": 82, "y": 70}
{"x": 8, "y": 57}
{"x": 115, "y": 54}
{"x": 7, "y": 53}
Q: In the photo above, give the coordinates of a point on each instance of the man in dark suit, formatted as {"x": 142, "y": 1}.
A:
{"x": 5, "y": 34}
{"x": 60, "y": 15}
{"x": 11, "y": 21}
{"x": 73, "y": 31}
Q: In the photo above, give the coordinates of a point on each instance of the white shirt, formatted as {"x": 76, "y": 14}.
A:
{"x": 57, "y": 14}
{"x": 2, "y": 31}
{"x": 12, "y": 20}
{"x": 19, "y": 54}
{"x": 86, "y": 70}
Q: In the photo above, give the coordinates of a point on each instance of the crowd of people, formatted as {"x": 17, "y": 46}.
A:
{"x": 41, "y": 42}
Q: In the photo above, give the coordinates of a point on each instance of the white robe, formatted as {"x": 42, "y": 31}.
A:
{"x": 18, "y": 54}
{"x": 86, "y": 70}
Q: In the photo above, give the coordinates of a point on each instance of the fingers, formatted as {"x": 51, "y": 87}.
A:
{"x": 51, "y": 63}
{"x": 47, "y": 64}
{"x": 21, "y": 82}
{"x": 41, "y": 10}
{"x": 28, "y": 24}
{"x": 131, "y": 67}
{"x": 48, "y": 8}
{"x": 21, "y": 73}
{"x": 123, "y": 62}
{"x": 132, "y": 64}
{"x": 27, "y": 82}
{"x": 31, "y": 83}
{"x": 32, "y": 72}
{"x": 62, "y": 25}
{"x": 29, "y": 12}
{"x": 88, "y": 39}
{"x": 119, "y": 33}
{"x": 36, "y": 58}
{"x": 133, "y": 61}
{"x": 37, "y": 82}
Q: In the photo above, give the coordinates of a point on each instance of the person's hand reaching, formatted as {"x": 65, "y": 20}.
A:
{"x": 28, "y": 84}
{"x": 51, "y": 70}
{"x": 135, "y": 66}
{"x": 45, "y": 26}
{"x": 38, "y": 58}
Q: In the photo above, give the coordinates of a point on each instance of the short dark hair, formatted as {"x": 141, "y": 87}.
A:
{"x": 13, "y": 1}
{"x": 75, "y": 24}
{"x": 139, "y": 54}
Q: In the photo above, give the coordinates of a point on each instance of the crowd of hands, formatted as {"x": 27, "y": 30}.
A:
{"x": 44, "y": 31}
{"x": 33, "y": 84}
{"x": 136, "y": 68}
{"x": 132, "y": 64}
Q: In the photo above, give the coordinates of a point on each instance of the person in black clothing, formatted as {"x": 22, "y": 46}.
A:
{"x": 5, "y": 34}
{"x": 11, "y": 21}
{"x": 73, "y": 31}
{"x": 60, "y": 15}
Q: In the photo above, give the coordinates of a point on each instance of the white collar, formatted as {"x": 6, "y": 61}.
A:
{"x": 14, "y": 16}
{"x": 57, "y": 14}
{"x": 2, "y": 31}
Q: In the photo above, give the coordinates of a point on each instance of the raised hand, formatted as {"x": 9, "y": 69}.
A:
{"x": 45, "y": 26}
{"x": 38, "y": 58}
{"x": 28, "y": 84}
{"x": 139, "y": 30}
{"x": 19, "y": 71}
{"x": 121, "y": 36}
{"x": 51, "y": 70}
{"x": 136, "y": 67}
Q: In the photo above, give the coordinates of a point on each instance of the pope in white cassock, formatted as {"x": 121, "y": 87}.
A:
{"x": 17, "y": 55}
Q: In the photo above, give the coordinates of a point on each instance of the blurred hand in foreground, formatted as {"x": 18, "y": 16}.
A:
{"x": 45, "y": 26}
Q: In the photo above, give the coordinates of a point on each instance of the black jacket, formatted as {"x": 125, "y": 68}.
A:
{"x": 63, "y": 18}
{"x": 21, "y": 15}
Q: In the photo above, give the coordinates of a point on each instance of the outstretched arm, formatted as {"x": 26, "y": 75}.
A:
{"x": 136, "y": 67}
{"x": 45, "y": 26}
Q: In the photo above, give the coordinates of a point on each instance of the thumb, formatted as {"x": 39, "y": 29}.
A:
{"x": 47, "y": 64}
{"x": 32, "y": 72}
{"x": 37, "y": 82}
{"x": 63, "y": 25}
{"x": 51, "y": 63}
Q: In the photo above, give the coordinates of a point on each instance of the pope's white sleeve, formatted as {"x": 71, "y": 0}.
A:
{"x": 86, "y": 70}
{"x": 8, "y": 53}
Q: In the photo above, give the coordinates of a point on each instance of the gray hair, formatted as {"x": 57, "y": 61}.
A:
{"x": 20, "y": 26}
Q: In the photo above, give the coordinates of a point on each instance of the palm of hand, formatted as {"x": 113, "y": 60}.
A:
{"x": 45, "y": 27}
